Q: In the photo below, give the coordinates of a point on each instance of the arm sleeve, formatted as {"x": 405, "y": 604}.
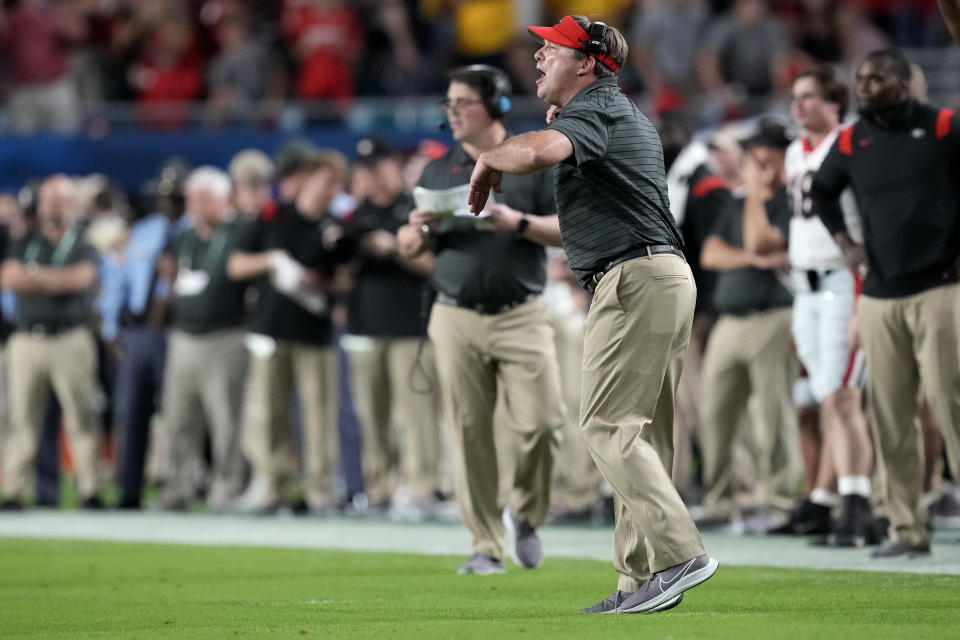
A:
{"x": 584, "y": 123}
{"x": 830, "y": 181}
{"x": 546, "y": 203}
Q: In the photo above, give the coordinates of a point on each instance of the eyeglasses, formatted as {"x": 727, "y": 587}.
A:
{"x": 447, "y": 103}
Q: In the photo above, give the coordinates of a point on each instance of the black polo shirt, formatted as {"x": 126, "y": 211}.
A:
{"x": 709, "y": 197}
{"x": 276, "y": 314}
{"x": 219, "y": 304}
{"x": 748, "y": 289}
{"x": 906, "y": 179}
{"x": 61, "y": 310}
{"x": 475, "y": 266}
{"x": 612, "y": 192}
{"x": 386, "y": 298}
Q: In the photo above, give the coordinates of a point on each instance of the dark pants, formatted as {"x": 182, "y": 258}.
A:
{"x": 138, "y": 383}
{"x": 349, "y": 429}
{"x": 48, "y": 456}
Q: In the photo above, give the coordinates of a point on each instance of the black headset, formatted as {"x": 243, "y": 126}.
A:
{"x": 595, "y": 43}
{"x": 496, "y": 89}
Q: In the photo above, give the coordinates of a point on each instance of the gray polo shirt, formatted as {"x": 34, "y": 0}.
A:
{"x": 475, "y": 266}
{"x": 48, "y": 310}
{"x": 612, "y": 192}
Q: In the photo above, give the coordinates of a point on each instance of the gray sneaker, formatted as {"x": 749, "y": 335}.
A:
{"x": 481, "y": 565}
{"x": 612, "y": 603}
{"x": 523, "y": 543}
{"x": 664, "y": 586}
{"x": 897, "y": 549}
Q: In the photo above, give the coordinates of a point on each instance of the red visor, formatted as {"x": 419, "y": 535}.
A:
{"x": 567, "y": 33}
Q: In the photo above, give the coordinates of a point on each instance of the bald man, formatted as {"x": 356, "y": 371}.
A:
{"x": 53, "y": 273}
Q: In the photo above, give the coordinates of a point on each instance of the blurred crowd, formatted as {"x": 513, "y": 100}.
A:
{"x": 223, "y": 62}
{"x": 207, "y": 345}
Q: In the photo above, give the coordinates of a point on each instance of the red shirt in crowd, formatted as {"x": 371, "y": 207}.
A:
{"x": 326, "y": 40}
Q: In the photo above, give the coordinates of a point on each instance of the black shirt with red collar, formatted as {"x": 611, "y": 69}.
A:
{"x": 709, "y": 197}
{"x": 307, "y": 241}
{"x": 906, "y": 179}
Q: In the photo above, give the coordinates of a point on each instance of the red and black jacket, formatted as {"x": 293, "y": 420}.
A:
{"x": 906, "y": 179}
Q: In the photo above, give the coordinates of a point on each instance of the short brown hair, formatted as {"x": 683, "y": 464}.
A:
{"x": 832, "y": 88}
{"x": 327, "y": 159}
{"x": 616, "y": 48}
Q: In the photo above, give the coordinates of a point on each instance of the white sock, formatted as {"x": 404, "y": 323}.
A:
{"x": 854, "y": 485}
{"x": 823, "y": 497}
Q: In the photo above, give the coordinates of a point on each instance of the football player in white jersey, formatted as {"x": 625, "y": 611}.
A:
{"x": 823, "y": 312}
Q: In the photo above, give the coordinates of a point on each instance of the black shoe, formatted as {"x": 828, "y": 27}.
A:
{"x": 11, "y": 504}
{"x": 46, "y": 503}
{"x": 129, "y": 504}
{"x": 946, "y": 506}
{"x": 807, "y": 519}
{"x": 897, "y": 549}
{"x": 857, "y": 527}
{"x": 92, "y": 503}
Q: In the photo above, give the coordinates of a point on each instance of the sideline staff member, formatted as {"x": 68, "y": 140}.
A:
{"x": 53, "y": 273}
{"x": 902, "y": 159}
{"x": 489, "y": 327}
{"x": 622, "y": 243}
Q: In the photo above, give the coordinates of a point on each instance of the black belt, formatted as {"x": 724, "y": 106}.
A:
{"x": 484, "y": 309}
{"x": 49, "y": 329}
{"x": 815, "y": 278}
{"x": 639, "y": 252}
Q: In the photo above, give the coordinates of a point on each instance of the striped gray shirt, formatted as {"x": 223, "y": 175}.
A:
{"x": 612, "y": 192}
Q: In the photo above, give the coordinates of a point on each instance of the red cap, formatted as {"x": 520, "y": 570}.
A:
{"x": 568, "y": 33}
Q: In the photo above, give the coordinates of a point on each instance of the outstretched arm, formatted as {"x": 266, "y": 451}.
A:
{"x": 523, "y": 154}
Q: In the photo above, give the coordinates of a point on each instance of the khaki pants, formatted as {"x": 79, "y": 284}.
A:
{"x": 203, "y": 388}
{"x": 67, "y": 363}
{"x": 312, "y": 372}
{"x": 910, "y": 343}
{"x": 748, "y": 357}
{"x": 400, "y": 425}
{"x": 635, "y": 339}
{"x": 689, "y": 392}
{"x": 479, "y": 356}
{"x": 576, "y": 480}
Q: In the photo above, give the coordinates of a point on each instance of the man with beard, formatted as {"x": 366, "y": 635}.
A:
{"x": 902, "y": 159}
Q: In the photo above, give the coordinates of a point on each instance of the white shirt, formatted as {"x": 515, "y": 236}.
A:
{"x": 811, "y": 245}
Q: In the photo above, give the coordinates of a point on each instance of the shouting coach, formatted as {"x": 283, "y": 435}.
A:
{"x": 623, "y": 245}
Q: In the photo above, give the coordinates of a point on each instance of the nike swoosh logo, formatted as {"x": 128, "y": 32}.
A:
{"x": 679, "y": 575}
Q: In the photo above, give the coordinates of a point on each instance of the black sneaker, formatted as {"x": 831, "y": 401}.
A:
{"x": 92, "y": 503}
{"x": 664, "y": 586}
{"x": 897, "y": 549}
{"x": 807, "y": 519}
{"x": 11, "y": 504}
{"x": 856, "y": 527}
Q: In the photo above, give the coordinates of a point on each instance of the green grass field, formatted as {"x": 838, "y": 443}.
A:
{"x": 68, "y": 589}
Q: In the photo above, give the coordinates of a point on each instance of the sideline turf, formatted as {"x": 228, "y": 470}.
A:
{"x": 71, "y": 589}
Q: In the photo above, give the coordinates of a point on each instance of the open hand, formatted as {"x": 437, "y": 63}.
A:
{"x": 483, "y": 179}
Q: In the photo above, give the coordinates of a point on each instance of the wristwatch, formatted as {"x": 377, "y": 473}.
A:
{"x": 522, "y": 226}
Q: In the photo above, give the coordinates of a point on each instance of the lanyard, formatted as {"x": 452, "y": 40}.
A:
{"x": 60, "y": 253}
{"x": 214, "y": 249}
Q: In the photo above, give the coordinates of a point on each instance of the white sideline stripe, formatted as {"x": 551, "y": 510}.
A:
{"x": 437, "y": 539}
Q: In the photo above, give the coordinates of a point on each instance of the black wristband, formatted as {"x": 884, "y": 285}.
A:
{"x": 522, "y": 226}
